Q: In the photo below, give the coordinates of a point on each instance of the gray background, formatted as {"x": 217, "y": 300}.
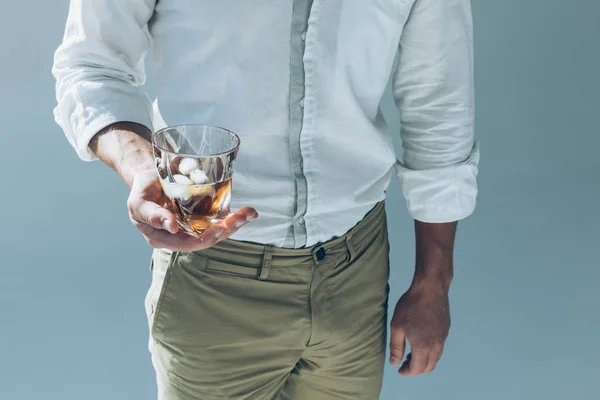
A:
{"x": 526, "y": 324}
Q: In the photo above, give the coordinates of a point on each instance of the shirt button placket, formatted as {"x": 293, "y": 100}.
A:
{"x": 301, "y": 15}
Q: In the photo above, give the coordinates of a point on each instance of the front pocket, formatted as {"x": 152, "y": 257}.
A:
{"x": 232, "y": 269}
{"x": 193, "y": 291}
{"x": 162, "y": 271}
{"x": 219, "y": 264}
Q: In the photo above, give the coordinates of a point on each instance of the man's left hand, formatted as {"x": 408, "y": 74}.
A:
{"x": 422, "y": 316}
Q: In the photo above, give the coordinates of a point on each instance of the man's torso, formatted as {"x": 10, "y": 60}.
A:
{"x": 300, "y": 82}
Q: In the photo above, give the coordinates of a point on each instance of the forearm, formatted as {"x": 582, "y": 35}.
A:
{"x": 434, "y": 254}
{"x": 125, "y": 147}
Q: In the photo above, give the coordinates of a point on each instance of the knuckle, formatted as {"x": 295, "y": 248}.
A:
{"x": 424, "y": 344}
{"x": 239, "y": 219}
{"x": 397, "y": 348}
{"x": 132, "y": 205}
{"x": 396, "y": 323}
{"x": 419, "y": 349}
{"x": 154, "y": 219}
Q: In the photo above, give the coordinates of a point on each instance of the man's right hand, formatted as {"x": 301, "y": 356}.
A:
{"x": 159, "y": 226}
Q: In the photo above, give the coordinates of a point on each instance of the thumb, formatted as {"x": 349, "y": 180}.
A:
{"x": 397, "y": 345}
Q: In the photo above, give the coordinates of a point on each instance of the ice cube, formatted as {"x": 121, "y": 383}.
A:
{"x": 175, "y": 191}
{"x": 187, "y": 165}
{"x": 198, "y": 177}
{"x": 203, "y": 190}
{"x": 182, "y": 180}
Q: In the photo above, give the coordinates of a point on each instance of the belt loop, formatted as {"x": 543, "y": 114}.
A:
{"x": 350, "y": 247}
{"x": 314, "y": 254}
{"x": 266, "y": 264}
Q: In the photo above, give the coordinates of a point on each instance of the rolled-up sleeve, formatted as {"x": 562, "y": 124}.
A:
{"x": 99, "y": 68}
{"x": 433, "y": 89}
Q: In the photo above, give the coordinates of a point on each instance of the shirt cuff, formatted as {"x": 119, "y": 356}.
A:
{"x": 92, "y": 106}
{"x": 443, "y": 194}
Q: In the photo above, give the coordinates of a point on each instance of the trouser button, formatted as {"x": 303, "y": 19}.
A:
{"x": 320, "y": 254}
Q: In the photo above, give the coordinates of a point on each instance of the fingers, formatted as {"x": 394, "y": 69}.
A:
{"x": 153, "y": 221}
{"x": 397, "y": 345}
{"x": 160, "y": 227}
{"x": 421, "y": 360}
{"x": 434, "y": 358}
{"x": 143, "y": 204}
{"x": 151, "y": 214}
{"x": 416, "y": 364}
{"x": 213, "y": 235}
{"x": 161, "y": 239}
{"x": 238, "y": 219}
{"x": 180, "y": 241}
{"x": 222, "y": 230}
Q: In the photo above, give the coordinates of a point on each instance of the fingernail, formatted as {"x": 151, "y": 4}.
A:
{"x": 252, "y": 218}
{"x": 166, "y": 225}
{"x": 218, "y": 233}
{"x": 394, "y": 360}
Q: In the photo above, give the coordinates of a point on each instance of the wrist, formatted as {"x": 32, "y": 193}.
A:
{"x": 432, "y": 280}
{"x": 126, "y": 148}
{"x": 434, "y": 267}
{"x": 434, "y": 255}
{"x": 128, "y": 171}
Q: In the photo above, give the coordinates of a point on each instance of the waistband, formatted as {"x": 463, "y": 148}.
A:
{"x": 256, "y": 255}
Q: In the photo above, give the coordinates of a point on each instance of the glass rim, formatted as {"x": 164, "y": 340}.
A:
{"x": 158, "y": 132}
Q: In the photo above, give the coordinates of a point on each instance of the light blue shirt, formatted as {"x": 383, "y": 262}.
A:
{"x": 300, "y": 81}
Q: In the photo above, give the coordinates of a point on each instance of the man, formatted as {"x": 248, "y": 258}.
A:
{"x": 294, "y": 304}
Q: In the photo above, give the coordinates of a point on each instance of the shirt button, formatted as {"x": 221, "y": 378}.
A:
{"x": 320, "y": 254}
{"x": 302, "y": 103}
{"x": 303, "y": 37}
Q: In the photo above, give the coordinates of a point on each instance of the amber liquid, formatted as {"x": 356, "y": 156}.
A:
{"x": 205, "y": 205}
